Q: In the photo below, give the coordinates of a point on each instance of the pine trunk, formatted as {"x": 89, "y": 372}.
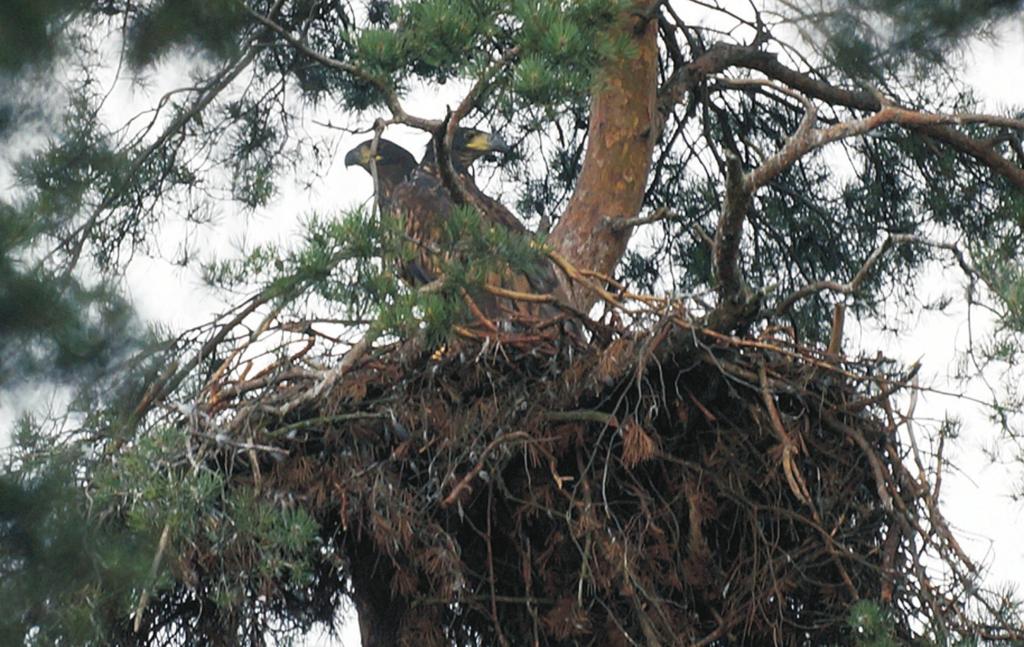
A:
{"x": 623, "y": 130}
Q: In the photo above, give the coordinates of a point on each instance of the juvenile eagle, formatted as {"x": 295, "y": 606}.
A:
{"x": 418, "y": 196}
{"x": 394, "y": 164}
{"x": 469, "y": 145}
{"x": 424, "y": 202}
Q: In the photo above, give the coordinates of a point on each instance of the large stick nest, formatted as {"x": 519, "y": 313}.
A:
{"x": 665, "y": 486}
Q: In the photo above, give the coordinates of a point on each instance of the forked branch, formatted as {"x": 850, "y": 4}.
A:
{"x": 723, "y": 56}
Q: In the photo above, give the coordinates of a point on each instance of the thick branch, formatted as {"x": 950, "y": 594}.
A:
{"x": 444, "y": 134}
{"x": 623, "y": 130}
{"x": 723, "y": 56}
{"x": 739, "y": 188}
{"x": 806, "y": 139}
{"x": 729, "y": 234}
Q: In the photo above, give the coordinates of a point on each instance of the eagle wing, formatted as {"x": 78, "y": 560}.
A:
{"x": 422, "y": 204}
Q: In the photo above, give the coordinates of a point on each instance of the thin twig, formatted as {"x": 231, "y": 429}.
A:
{"x": 154, "y": 568}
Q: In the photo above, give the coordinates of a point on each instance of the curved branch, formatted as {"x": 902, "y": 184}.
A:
{"x": 444, "y": 134}
{"x": 729, "y": 234}
{"x": 398, "y": 113}
{"x": 740, "y": 188}
{"x": 723, "y": 56}
{"x": 862, "y": 274}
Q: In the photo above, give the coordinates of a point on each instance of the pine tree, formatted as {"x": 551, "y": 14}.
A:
{"x": 684, "y": 454}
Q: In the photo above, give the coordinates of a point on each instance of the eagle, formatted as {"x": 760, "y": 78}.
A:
{"x": 394, "y": 164}
{"x": 417, "y": 194}
{"x": 541, "y": 279}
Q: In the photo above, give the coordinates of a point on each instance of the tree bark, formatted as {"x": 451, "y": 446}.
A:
{"x": 380, "y": 613}
{"x": 623, "y": 129}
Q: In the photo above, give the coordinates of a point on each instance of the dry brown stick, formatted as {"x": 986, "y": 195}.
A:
{"x": 174, "y": 374}
{"x": 463, "y": 484}
{"x": 577, "y": 276}
{"x": 242, "y": 386}
{"x": 354, "y": 354}
{"x": 260, "y": 329}
{"x": 887, "y": 389}
{"x": 503, "y": 337}
{"x": 519, "y": 296}
{"x": 835, "y": 342}
{"x": 477, "y": 313}
{"x": 712, "y": 637}
{"x": 753, "y": 343}
{"x": 490, "y": 571}
{"x": 881, "y": 483}
{"x": 830, "y": 544}
{"x": 660, "y": 214}
{"x": 938, "y": 522}
{"x": 892, "y": 542}
{"x": 797, "y": 484}
{"x": 646, "y": 624}
{"x": 443, "y": 138}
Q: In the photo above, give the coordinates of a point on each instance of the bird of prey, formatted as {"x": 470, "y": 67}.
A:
{"x": 469, "y": 145}
{"x": 424, "y": 203}
{"x": 419, "y": 197}
{"x": 394, "y": 164}
{"x": 542, "y": 279}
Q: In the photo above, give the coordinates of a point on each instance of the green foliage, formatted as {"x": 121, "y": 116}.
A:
{"x": 871, "y": 625}
{"x": 869, "y": 38}
{"x": 80, "y": 163}
{"x": 254, "y": 152}
{"x": 1004, "y": 276}
{"x": 52, "y": 329}
{"x": 382, "y": 51}
{"x": 91, "y": 196}
{"x": 443, "y": 38}
{"x": 349, "y": 264}
{"x": 150, "y": 488}
{"x": 54, "y": 325}
{"x": 27, "y": 29}
{"x": 337, "y": 260}
{"x": 561, "y": 48}
{"x": 95, "y": 192}
{"x": 212, "y": 26}
{"x": 66, "y": 576}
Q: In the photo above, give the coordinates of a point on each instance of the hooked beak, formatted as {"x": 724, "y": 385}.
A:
{"x": 488, "y": 143}
{"x": 354, "y": 157}
{"x": 498, "y": 144}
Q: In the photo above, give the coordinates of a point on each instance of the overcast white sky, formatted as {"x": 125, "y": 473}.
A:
{"x": 976, "y": 498}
